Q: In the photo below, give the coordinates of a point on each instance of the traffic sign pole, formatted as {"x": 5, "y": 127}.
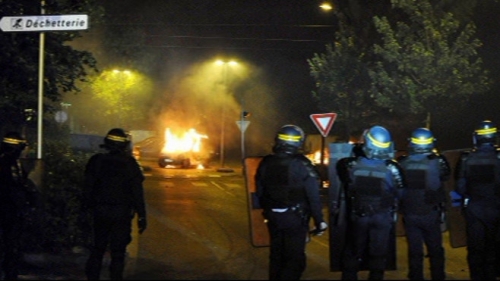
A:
{"x": 242, "y": 124}
{"x": 41, "y": 63}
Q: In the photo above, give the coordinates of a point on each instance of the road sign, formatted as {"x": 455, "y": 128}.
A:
{"x": 44, "y": 23}
{"x": 61, "y": 116}
{"x": 324, "y": 122}
{"x": 242, "y": 125}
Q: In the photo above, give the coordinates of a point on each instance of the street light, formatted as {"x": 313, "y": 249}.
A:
{"x": 225, "y": 65}
{"x": 326, "y": 6}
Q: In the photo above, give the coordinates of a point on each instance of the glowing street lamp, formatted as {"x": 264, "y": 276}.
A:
{"x": 326, "y": 6}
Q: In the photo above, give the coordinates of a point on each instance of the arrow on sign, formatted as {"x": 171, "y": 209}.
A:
{"x": 324, "y": 122}
{"x": 44, "y": 23}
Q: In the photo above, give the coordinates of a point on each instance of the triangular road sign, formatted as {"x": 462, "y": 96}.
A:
{"x": 324, "y": 122}
{"x": 243, "y": 125}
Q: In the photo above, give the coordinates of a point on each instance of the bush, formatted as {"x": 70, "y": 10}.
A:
{"x": 57, "y": 220}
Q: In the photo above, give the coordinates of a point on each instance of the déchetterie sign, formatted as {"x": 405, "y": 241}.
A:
{"x": 44, "y": 23}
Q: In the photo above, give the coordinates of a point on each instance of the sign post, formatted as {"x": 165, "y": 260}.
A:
{"x": 41, "y": 23}
{"x": 242, "y": 124}
{"x": 324, "y": 122}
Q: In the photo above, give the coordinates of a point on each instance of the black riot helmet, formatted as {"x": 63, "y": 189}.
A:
{"x": 116, "y": 139}
{"x": 289, "y": 139}
{"x": 13, "y": 144}
{"x": 485, "y": 133}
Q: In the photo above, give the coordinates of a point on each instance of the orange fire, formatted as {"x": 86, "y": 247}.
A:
{"x": 185, "y": 148}
{"x": 316, "y": 157}
{"x": 190, "y": 141}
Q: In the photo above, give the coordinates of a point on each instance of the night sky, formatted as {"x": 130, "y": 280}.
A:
{"x": 276, "y": 37}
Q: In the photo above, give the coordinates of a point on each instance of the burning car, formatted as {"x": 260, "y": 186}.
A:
{"x": 184, "y": 151}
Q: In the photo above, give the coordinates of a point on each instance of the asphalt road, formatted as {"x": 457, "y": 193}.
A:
{"x": 199, "y": 229}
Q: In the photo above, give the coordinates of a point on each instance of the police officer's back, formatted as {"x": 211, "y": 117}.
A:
{"x": 477, "y": 176}
{"x": 425, "y": 170}
{"x": 114, "y": 192}
{"x": 423, "y": 202}
{"x": 288, "y": 191}
{"x": 373, "y": 182}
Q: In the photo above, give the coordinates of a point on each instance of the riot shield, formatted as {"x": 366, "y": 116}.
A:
{"x": 454, "y": 218}
{"x": 338, "y": 215}
{"x": 336, "y": 205}
{"x": 258, "y": 228}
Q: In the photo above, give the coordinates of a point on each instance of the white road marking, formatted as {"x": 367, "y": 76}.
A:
{"x": 197, "y": 183}
{"x": 221, "y": 188}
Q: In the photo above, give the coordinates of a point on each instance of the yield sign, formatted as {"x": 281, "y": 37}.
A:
{"x": 324, "y": 122}
{"x": 243, "y": 125}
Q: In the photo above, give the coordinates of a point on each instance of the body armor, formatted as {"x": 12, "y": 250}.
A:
{"x": 424, "y": 184}
{"x": 483, "y": 175}
{"x": 281, "y": 193}
{"x": 369, "y": 190}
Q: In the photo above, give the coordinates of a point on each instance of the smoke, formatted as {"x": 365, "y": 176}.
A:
{"x": 191, "y": 91}
{"x": 210, "y": 99}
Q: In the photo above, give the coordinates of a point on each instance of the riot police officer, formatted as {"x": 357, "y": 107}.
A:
{"x": 288, "y": 191}
{"x": 477, "y": 176}
{"x": 422, "y": 203}
{"x": 12, "y": 201}
{"x": 372, "y": 183}
{"x": 114, "y": 193}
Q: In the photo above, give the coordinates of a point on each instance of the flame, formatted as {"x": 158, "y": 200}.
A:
{"x": 190, "y": 141}
{"x": 316, "y": 157}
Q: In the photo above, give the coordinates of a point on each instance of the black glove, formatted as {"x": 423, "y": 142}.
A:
{"x": 142, "y": 223}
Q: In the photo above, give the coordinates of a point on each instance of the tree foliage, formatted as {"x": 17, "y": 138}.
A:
{"x": 342, "y": 79}
{"x": 342, "y": 71}
{"x": 427, "y": 61}
{"x": 418, "y": 56}
{"x": 63, "y": 65}
{"x": 120, "y": 94}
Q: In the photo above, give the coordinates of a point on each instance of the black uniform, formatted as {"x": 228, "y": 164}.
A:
{"x": 288, "y": 191}
{"x": 422, "y": 206}
{"x": 372, "y": 187}
{"x": 478, "y": 182}
{"x": 113, "y": 188}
